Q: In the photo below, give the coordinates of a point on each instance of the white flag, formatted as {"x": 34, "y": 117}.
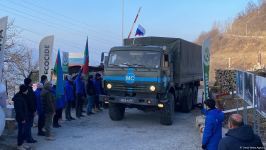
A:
{"x": 3, "y": 26}
{"x": 45, "y": 56}
{"x": 65, "y": 62}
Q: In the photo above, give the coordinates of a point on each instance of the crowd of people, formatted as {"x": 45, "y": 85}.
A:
{"x": 238, "y": 137}
{"x": 44, "y": 103}
{"x": 78, "y": 92}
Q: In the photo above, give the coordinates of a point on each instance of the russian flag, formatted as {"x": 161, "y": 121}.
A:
{"x": 140, "y": 31}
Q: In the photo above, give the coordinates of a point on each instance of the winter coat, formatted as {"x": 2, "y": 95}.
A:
{"x": 90, "y": 88}
{"x": 213, "y": 129}
{"x": 48, "y": 100}
{"x": 240, "y": 137}
{"x": 80, "y": 87}
{"x": 98, "y": 87}
{"x": 31, "y": 101}
{"x": 69, "y": 91}
{"x": 21, "y": 108}
{"x": 38, "y": 101}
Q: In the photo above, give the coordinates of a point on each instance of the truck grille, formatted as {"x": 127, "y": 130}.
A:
{"x": 130, "y": 88}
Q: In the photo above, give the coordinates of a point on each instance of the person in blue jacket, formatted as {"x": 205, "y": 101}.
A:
{"x": 213, "y": 126}
{"x": 59, "y": 106}
{"x": 98, "y": 91}
{"x": 80, "y": 94}
{"x": 69, "y": 96}
{"x": 40, "y": 112}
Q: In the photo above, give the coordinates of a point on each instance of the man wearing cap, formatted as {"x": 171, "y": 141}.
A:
{"x": 21, "y": 109}
{"x": 212, "y": 133}
{"x": 31, "y": 109}
{"x": 239, "y": 136}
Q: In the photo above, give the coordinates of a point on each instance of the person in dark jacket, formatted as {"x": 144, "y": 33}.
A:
{"x": 90, "y": 95}
{"x": 98, "y": 91}
{"x": 80, "y": 94}
{"x": 32, "y": 109}
{"x": 239, "y": 136}
{"x": 69, "y": 96}
{"x": 212, "y": 133}
{"x": 41, "y": 117}
{"x": 21, "y": 109}
{"x": 43, "y": 79}
{"x": 48, "y": 99}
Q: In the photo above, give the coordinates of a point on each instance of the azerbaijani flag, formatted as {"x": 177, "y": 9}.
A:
{"x": 59, "y": 75}
{"x": 86, "y": 59}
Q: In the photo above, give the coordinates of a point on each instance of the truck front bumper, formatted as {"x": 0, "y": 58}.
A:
{"x": 129, "y": 100}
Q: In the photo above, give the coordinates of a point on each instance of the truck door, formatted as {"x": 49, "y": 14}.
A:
{"x": 165, "y": 71}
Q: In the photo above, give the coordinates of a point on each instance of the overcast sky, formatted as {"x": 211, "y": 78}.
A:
{"x": 70, "y": 21}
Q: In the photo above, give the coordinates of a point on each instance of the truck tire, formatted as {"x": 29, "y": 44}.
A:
{"x": 116, "y": 111}
{"x": 195, "y": 96}
{"x": 186, "y": 104}
{"x": 167, "y": 112}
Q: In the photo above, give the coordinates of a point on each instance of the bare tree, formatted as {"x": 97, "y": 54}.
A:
{"x": 17, "y": 59}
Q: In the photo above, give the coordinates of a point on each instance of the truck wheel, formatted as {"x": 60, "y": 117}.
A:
{"x": 116, "y": 111}
{"x": 186, "y": 104}
{"x": 195, "y": 96}
{"x": 167, "y": 113}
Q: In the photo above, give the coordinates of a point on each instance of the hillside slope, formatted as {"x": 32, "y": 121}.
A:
{"x": 240, "y": 42}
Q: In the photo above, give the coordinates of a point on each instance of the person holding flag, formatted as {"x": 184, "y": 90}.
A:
{"x": 80, "y": 84}
{"x": 59, "y": 90}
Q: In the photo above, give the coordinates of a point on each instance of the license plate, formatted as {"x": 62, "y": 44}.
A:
{"x": 126, "y": 100}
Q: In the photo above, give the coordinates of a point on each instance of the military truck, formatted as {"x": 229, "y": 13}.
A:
{"x": 152, "y": 74}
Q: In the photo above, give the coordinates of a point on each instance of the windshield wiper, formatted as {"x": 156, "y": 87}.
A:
{"x": 124, "y": 65}
{"x": 113, "y": 65}
{"x": 138, "y": 65}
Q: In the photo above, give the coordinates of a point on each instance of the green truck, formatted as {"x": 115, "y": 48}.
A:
{"x": 152, "y": 74}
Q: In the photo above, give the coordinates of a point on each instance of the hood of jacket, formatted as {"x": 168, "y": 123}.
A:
{"x": 243, "y": 133}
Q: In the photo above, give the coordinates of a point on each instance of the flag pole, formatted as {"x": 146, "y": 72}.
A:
{"x": 123, "y": 14}
{"x": 136, "y": 18}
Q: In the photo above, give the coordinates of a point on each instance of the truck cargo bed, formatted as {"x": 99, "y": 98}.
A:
{"x": 186, "y": 56}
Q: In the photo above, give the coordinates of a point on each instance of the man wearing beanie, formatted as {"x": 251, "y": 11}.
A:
{"x": 31, "y": 109}
{"x": 213, "y": 126}
{"x": 21, "y": 110}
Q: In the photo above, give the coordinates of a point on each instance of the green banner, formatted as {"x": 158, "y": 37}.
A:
{"x": 206, "y": 66}
{"x": 65, "y": 62}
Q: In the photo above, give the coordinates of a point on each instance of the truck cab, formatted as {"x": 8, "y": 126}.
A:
{"x": 136, "y": 77}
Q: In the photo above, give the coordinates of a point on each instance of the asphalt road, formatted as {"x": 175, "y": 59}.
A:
{"x": 138, "y": 131}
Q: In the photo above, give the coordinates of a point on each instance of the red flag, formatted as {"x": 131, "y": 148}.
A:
{"x": 86, "y": 59}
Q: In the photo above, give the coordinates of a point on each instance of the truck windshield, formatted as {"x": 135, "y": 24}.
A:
{"x": 142, "y": 59}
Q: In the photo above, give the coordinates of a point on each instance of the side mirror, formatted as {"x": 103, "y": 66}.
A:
{"x": 166, "y": 60}
{"x": 105, "y": 60}
{"x": 102, "y": 57}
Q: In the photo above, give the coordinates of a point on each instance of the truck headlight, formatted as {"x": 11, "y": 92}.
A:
{"x": 109, "y": 86}
{"x": 152, "y": 88}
